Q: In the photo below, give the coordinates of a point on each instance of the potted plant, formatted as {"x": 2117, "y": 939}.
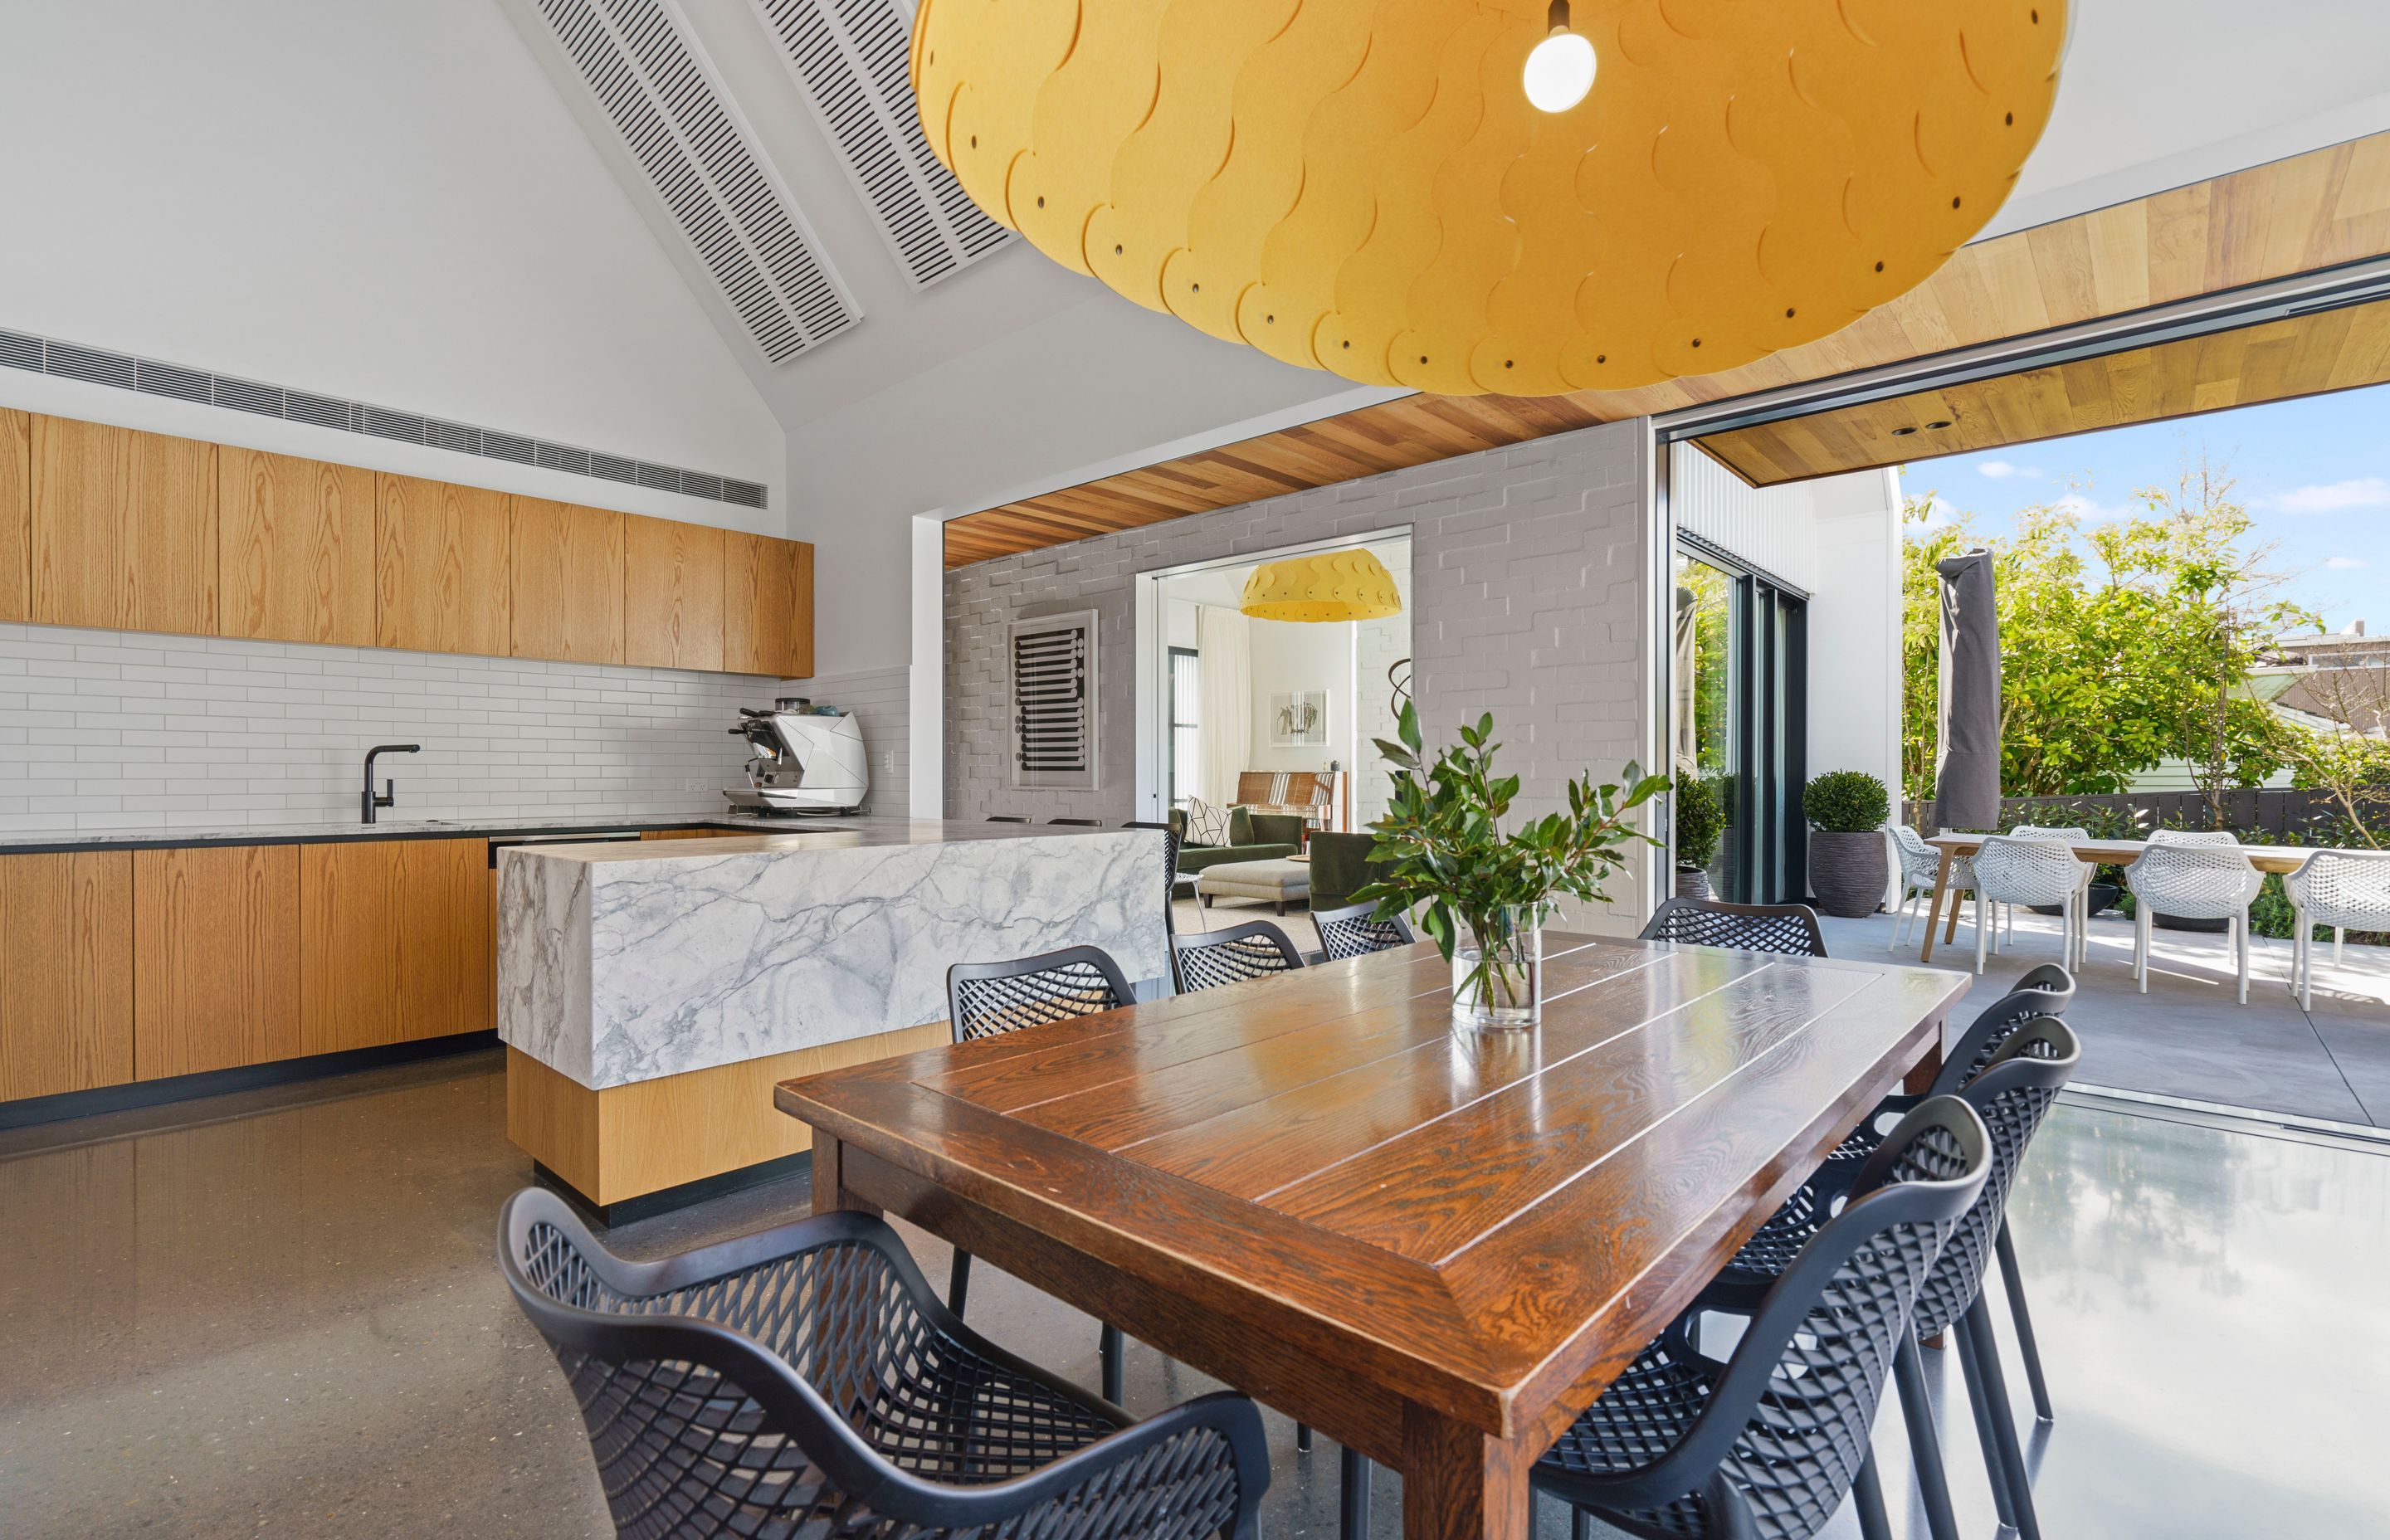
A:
{"x": 1700, "y": 823}
{"x": 1848, "y": 870}
{"x": 1483, "y": 895}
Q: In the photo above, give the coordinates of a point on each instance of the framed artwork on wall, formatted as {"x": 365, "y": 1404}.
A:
{"x": 1299, "y": 719}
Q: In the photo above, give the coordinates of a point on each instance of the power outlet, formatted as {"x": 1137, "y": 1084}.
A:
{"x": 696, "y": 783}
{"x": 888, "y": 762}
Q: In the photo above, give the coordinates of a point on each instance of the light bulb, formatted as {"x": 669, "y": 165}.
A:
{"x": 1560, "y": 71}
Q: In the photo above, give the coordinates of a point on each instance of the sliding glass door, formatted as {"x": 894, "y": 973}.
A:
{"x": 1740, "y": 669}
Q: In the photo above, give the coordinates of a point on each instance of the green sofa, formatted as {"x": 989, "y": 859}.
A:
{"x": 1251, "y": 837}
{"x": 1340, "y": 867}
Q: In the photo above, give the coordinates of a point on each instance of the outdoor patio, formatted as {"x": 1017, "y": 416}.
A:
{"x": 2187, "y": 1037}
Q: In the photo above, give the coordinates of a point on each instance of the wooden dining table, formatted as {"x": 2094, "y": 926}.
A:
{"x": 2102, "y": 853}
{"x": 1436, "y": 1247}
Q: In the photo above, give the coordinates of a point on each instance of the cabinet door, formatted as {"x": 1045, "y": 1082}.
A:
{"x": 568, "y": 581}
{"x": 215, "y": 947}
{"x": 124, "y": 529}
{"x": 66, "y": 972}
{"x": 672, "y": 594}
{"x": 767, "y": 606}
{"x": 16, "y": 515}
{"x": 298, "y": 542}
{"x": 395, "y": 943}
{"x": 441, "y": 568}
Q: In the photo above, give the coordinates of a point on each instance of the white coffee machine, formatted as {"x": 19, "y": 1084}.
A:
{"x": 808, "y": 759}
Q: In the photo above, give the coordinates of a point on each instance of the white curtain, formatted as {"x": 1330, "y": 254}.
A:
{"x": 1223, "y": 675}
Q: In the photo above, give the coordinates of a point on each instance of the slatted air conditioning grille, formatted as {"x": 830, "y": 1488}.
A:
{"x": 675, "y": 119}
{"x": 1054, "y": 702}
{"x": 45, "y": 355}
{"x": 850, "y": 57}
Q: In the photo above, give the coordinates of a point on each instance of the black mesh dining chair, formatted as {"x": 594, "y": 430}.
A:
{"x": 2013, "y": 1094}
{"x": 990, "y": 999}
{"x": 1790, "y": 928}
{"x": 804, "y": 1382}
{"x": 1169, "y": 872}
{"x": 1254, "y": 950}
{"x": 1005, "y": 818}
{"x": 1767, "y": 1444}
{"x": 1077, "y": 823}
{"x": 1355, "y": 930}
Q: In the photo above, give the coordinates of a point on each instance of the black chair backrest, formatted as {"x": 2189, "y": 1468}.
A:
{"x": 1791, "y": 928}
{"x": 1077, "y": 823}
{"x": 2013, "y": 1094}
{"x": 1254, "y": 950}
{"x": 990, "y": 999}
{"x": 1787, "y": 1421}
{"x": 1355, "y": 930}
{"x": 1005, "y": 818}
{"x": 1170, "y": 840}
{"x": 2045, "y": 991}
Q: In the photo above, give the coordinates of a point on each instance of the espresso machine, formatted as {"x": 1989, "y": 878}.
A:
{"x": 808, "y": 760}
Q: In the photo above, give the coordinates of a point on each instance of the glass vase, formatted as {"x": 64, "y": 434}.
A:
{"x": 1497, "y": 971}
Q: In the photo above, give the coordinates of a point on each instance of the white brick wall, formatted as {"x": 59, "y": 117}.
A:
{"x": 882, "y": 702}
{"x": 104, "y": 729}
{"x": 1530, "y": 600}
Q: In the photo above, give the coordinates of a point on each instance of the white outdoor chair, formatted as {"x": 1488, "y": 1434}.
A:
{"x": 2214, "y": 839}
{"x": 2009, "y": 871}
{"x": 2339, "y": 887}
{"x": 1919, "y": 865}
{"x": 2072, "y": 835}
{"x": 2193, "y": 881}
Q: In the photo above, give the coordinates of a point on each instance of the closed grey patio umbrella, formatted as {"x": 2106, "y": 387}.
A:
{"x": 1967, "y": 764}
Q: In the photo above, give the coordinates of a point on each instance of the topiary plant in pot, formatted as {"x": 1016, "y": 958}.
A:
{"x": 1848, "y": 868}
{"x": 1700, "y": 822}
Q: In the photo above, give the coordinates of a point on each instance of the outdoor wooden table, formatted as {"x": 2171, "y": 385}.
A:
{"x": 2105, "y": 853}
{"x": 1436, "y": 1248}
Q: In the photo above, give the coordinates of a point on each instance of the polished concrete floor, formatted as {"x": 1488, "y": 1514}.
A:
{"x": 278, "y": 1313}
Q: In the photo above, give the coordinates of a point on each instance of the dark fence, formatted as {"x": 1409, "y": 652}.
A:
{"x": 2278, "y": 812}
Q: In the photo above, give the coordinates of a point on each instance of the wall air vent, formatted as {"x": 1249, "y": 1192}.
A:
{"x": 663, "y": 96}
{"x": 849, "y": 59}
{"x": 1054, "y": 702}
{"x": 45, "y": 355}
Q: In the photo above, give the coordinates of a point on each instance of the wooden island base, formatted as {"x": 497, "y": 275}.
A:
{"x": 628, "y": 1141}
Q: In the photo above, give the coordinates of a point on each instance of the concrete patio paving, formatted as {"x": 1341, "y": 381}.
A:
{"x": 2188, "y": 1038}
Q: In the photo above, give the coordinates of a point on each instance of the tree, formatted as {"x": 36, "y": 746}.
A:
{"x": 2120, "y": 647}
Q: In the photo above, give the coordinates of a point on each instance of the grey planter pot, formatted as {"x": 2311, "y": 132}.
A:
{"x": 1692, "y": 882}
{"x": 1848, "y": 872}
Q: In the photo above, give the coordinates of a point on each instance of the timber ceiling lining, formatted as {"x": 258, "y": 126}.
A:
{"x": 2333, "y": 350}
{"x": 2311, "y": 211}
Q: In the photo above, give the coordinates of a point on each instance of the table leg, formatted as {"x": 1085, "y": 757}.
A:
{"x": 829, "y": 1193}
{"x": 1933, "y": 914}
{"x": 1459, "y": 1483}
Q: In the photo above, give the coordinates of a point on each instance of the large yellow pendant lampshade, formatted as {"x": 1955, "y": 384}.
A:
{"x": 1327, "y": 585}
{"x": 1371, "y": 187}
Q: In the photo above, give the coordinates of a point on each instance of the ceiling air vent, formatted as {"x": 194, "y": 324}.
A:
{"x": 1054, "y": 702}
{"x": 849, "y": 57}
{"x": 678, "y": 123}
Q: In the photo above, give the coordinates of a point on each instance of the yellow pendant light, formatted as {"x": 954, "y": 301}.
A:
{"x": 1326, "y": 585}
{"x": 1503, "y": 196}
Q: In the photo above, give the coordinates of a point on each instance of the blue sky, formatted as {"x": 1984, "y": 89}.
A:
{"x": 2314, "y": 473}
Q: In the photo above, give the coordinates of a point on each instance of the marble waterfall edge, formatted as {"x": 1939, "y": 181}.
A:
{"x": 614, "y": 971}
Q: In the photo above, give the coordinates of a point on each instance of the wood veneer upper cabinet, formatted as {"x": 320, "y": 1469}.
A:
{"x": 66, "y": 972}
{"x": 298, "y": 542}
{"x": 122, "y": 529}
{"x": 395, "y": 943}
{"x": 672, "y": 594}
{"x": 16, "y": 515}
{"x": 441, "y": 568}
{"x": 215, "y": 959}
{"x": 568, "y": 581}
{"x": 767, "y": 606}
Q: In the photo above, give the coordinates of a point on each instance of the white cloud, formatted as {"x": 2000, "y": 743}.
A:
{"x": 2364, "y": 491}
{"x": 1939, "y": 512}
{"x": 2085, "y": 508}
{"x": 2001, "y": 469}
{"x": 2344, "y": 563}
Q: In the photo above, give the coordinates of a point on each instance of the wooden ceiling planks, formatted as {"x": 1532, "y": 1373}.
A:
{"x": 2333, "y": 350}
{"x": 2311, "y": 211}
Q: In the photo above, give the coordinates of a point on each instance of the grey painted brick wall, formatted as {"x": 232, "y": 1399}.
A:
{"x": 1529, "y": 599}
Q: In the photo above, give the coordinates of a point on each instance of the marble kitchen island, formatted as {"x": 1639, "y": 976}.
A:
{"x": 652, "y": 994}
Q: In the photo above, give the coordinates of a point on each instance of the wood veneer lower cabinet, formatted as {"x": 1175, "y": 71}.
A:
{"x": 627, "y": 1141}
{"x": 66, "y": 972}
{"x": 395, "y": 943}
{"x": 215, "y": 971}
{"x": 16, "y": 515}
